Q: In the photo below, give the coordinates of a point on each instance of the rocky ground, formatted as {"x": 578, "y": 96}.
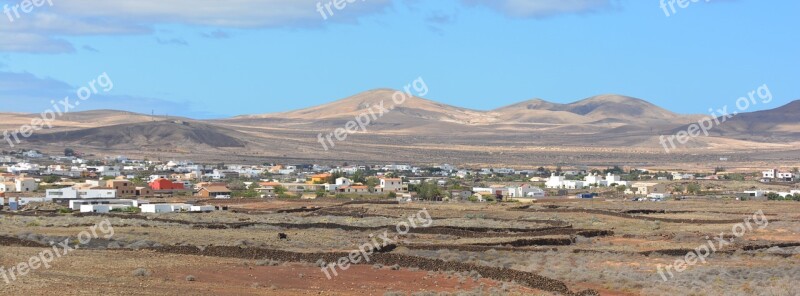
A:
{"x": 271, "y": 248}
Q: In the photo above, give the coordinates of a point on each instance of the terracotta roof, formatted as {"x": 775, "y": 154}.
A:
{"x": 216, "y": 189}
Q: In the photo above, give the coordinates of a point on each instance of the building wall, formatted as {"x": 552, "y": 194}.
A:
{"x": 123, "y": 187}
{"x": 26, "y": 185}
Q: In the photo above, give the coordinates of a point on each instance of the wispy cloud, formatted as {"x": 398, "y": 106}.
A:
{"x": 217, "y": 35}
{"x": 172, "y": 41}
{"x": 89, "y": 48}
{"x": 542, "y": 8}
{"x": 44, "y": 31}
{"x": 25, "y": 92}
{"x": 437, "y": 19}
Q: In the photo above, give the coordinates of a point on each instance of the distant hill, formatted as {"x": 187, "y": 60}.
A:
{"x": 774, "y": 125}
{"x": 160, "y": 133}
{"x": 420, "y": 129}
{"x": 413, "y": 108}
{"x": 598, "y": 109}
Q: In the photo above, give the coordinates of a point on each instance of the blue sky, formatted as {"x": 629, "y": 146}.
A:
{"x": 211, "y": 59}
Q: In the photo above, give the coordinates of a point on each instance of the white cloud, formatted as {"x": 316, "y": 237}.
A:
{"x": 542, "y": 8}
{"x": 43, "y": 30}
{"x": 39, "y": 30}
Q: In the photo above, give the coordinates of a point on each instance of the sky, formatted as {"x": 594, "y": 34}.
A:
{"x": 214, "y": 59}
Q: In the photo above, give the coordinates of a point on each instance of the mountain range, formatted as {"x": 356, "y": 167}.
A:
{"x": 601, "y": 127}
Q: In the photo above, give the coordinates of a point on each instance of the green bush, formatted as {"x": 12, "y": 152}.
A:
{"x": 127, "y": 210}
{"x": 287, "y": 196}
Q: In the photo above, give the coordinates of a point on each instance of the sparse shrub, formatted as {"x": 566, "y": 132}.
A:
{"x": 133, "y": 210}
{"x": 190, "y": 278}
{"x": 141, "y": 272}
{"x": 268, "y": 262}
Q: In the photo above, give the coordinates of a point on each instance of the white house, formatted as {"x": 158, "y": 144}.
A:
{"x": 776, "y": 174}
{"x": 392, "y": 185}
{"x": 165, "y": 208}
{"x": 482, "y": 190}
{"x": 104, "y": 208}
{"x": 152, "y": 178}
{"x": 105, "y": 171}
{"x": 72, "y": 193}
{"x": 8, "y": 187}
{"x": 23, "y": 167}
{"x": 612, "y": 179}
{"x": 505, "y": 171}
{"x": 202, "y": 208}
{"x": 32, "y": 154}
{"x": 216, "y": 175}
{"x": 645, "y": 188}
{"x": 26, "y": 184}
{"x": 342, "y": 181}
{"x": 756, "y": 193}
{"x": 679, "y": 176}
{"x": 397, "y": 167}
{"x": 555, "y": 181}
{"x": 525, "y": 191}
{"x": 593, "y": 179}
{"x": 77, "y": 203}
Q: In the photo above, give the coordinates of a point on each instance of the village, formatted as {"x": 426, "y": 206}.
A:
{"x": 119, "y": 184}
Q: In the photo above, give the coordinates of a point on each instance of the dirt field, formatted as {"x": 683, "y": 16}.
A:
{"x": 550, "y": 248}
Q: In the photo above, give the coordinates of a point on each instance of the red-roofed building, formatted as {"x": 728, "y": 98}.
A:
{"x": 164, "y": 184}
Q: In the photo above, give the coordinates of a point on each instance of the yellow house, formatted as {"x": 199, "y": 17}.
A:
{"x": 319, "y": 178}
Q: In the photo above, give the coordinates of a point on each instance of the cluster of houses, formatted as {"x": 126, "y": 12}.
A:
{"x": 523, "y": 192}
{"x": 108, "y": 186}
{"x": 17, "y": 183}
{"x": 592, "y": 180}
{"x": 775, "y": 175}
{"x": 323, "y": 183}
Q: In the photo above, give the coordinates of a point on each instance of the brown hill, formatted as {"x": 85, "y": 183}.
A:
{"x": 598, "y": 109}
{"x": 781, "y": 124}
{"x": 161, "y": 133}
{"x": 413, "y": 108}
